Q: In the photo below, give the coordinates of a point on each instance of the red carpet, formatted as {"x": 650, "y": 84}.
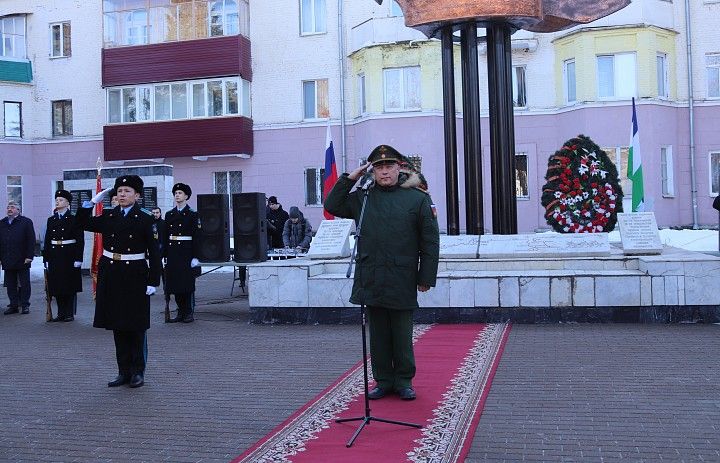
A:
{"x": 455, "y": 366}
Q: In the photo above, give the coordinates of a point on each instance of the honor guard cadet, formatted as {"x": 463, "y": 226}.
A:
{"x": 62, "y": 255}
{"x": 180, "y": 249}
{"x": 128, "y": 274}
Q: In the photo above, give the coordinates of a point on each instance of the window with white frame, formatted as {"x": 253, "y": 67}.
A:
{"x": 569, "y": 81}
{"x": 666, "y": 171}
{"x": 60, "y": 46}
{"x": 617, "y": 77}
{"x": 519, "y": 87}
{"x": 662, "y": 75}
{"x": 62, "y": 118}
{"x": 715, "y": 173}
{"x": 12, "y": 37}
{"x": 315, "y": 99}
{"x": 362, "y": 99}
{"x": 224, "y": 18}
{"x": 14, "y": 189}
{"x": 12, "y": 117}
{"x": 228, "y": 182}
{"x": 521, "y": 175}
{"x": 713, "y": 75}
{"x": 395, "y": 9}
{"x": 136, "y": 27}
{"x": 179, "y": 100}
{"x": 620, "y": 156}
{"x": 314, "y": 186}
{"x": 401, "y": 89}
{"x": 312, "y": 17}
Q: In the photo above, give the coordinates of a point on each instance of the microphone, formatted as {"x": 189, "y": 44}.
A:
{"x": 367, "y": 181}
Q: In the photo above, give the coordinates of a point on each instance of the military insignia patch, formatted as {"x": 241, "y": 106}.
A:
{"x": 434, "y": 210}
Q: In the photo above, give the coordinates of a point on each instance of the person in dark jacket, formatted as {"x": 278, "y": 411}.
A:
{"x": 397, "y": 256}
{"x": 180, "y": 249}
{"x": 62, "y": 255}
{"x": 297, "y": 232}
{"x": 17, "y": 247}
{"x": 276, "y": 218}
{"x": 128, "y": 274}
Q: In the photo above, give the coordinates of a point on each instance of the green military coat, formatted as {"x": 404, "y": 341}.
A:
{"x": 399, "y": 246}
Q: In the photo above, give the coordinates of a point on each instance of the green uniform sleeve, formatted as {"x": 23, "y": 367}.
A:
{"x": 337, "y": 202}
{"x": 429, "y": 244}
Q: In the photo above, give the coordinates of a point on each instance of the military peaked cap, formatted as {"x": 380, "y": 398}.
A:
{"x": 64, "y": 194}
{"x": 384, "y": 154}
{"x": 184, "y": 188}
{"x": 133, "y": 181}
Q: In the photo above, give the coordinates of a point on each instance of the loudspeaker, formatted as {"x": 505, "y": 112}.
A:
{"x": 214, "y": 235}
{"x": 249, "y": 227}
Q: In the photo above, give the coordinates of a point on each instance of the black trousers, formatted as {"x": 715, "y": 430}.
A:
{"x": 130, "y": 351}
{"x": 185, "y": 303}
{"x": 66, "y": 305}
{"x": 19, "y": 297}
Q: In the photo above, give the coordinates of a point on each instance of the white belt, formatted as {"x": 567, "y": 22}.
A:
{"x": 61, "y": 242}
{"x": 116, "y": 256}
{"x": 180, "y": 238}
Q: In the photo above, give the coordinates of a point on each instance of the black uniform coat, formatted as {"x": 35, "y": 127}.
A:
{"x": 63, "y": 278}
{"x": 17, "y": 243}
{"x": 400, "y": 244}
{"x": 120, "y": 300}
{"x": 179, "y": 277}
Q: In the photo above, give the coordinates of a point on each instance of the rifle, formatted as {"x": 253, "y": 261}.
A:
{"x": 167, "y": 298}
{"x": 48, "y": 298}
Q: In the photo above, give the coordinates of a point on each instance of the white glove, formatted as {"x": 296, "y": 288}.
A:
{"x": 77, "y": 264}
{"x": 98, "y": 198}
{"x": 194, "y": 262}
{"x": 150, "y": 291}
{"x": 45, "y": 265}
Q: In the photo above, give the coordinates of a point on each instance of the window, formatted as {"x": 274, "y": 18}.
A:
{"x": 362, "y": 100}
{"x": 521, "y": 175}
{"x": 14, "y": 189}
{"x": 178, "y": 100}
{"x": 12, "y": 35}
{"x": 60, "y": 40}
{"x": 395, "y": 9}
{"x": 616, "y": 76}
{"x": 715, "y": 173}
{"x": 314, "y": 186}
{"x": 228, "y": 182}
{"x": 136, "y": 27}
{"x": 62, "y": 118}
{"x": 666, "y": 171}
{"x": 662, "y": 75}
{"x": 713, "y": 75}
{"x": 569, "y": 81}
{"x": 224, "y": 18}
{"x": 620, "y": 157}
{"x": 315, "y": 99}
{"x": 12, "y": 115}
{"x": 519, "y": 88}
{"x": 312, "y": 17}
{"x": 402, "y": 88}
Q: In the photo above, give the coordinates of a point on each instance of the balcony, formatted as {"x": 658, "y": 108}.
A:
{"x": 16, "y": 71}
{"x": 376, "y": 31}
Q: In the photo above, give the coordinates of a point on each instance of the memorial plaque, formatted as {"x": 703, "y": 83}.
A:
{"x": 79, "y": 197}
{"x": 331, "y": 239}
{"x": 544, "y": 245}
{"x": 149, "y": 198}
{"x": 639, "y": 233}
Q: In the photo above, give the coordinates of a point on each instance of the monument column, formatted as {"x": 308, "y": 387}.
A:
{"x": 451, "y": 174}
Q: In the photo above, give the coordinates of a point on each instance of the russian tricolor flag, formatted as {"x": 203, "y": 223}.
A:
{"x": 330, "y": 175}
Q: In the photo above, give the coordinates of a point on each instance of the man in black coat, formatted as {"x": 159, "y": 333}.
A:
{"x": 128, "y": 274}
{"x": 17, "y": 247}
{"x": 276, "y": 218}
{"x": 180, "y": 249}
{"x": 63, "y": 255}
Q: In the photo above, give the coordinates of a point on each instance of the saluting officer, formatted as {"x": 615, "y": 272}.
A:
{"x": 128, "y": 273}
{"x": 180, "y": 249}
{"x": 63, "y": 255}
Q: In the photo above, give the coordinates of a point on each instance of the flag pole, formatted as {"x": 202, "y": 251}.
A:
{"x": 97, "y": 237}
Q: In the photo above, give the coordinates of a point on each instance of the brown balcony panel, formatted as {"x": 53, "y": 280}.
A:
{"x": 199, "y": 137}
{"x": 163, "y": 62}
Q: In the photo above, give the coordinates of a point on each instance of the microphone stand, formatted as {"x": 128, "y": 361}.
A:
{"x": 367, "y": 417}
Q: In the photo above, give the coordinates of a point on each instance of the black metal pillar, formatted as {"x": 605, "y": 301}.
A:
{"x": 451, "y": 174}
{"x": 502, "y": 129}
{"x": 471, "y": 130}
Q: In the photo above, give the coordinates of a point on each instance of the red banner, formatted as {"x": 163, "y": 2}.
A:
{"x": 97, "y": 239}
